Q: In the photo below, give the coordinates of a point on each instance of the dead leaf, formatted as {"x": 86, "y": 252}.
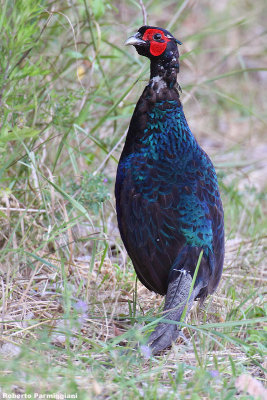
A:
{"x": 246, "y": 383}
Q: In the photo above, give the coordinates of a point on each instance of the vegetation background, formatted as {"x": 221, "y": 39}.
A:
{"x": 69, "y": 299}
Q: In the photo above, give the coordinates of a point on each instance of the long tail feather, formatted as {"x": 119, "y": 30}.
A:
{"x": 175, "y": 303}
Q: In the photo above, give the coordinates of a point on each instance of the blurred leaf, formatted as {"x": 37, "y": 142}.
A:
{"x": 18, "y": 134}
{"x": 98, "y": 8}
{"x": 75, "y": 54}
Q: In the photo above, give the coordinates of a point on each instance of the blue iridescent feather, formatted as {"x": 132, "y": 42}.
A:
{"x": 167, "y": 197}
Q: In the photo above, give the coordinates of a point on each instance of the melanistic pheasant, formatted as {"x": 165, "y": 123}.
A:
{"x": 167, "y": 197}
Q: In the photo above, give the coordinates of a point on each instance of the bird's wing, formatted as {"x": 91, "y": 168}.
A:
{"x": 148, "y": 218}
{"x": 158, "y": 217}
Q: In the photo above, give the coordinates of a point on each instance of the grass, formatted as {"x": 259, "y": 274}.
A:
{"x": 70, "y": 302}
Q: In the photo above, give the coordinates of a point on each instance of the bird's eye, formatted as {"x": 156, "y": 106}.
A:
{"x": 157, "y": 36}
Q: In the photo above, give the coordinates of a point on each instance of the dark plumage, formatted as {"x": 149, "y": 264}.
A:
{"x": 167, "y": 197}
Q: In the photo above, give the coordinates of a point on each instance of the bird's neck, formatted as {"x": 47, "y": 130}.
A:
{"x": 163, "y": 74}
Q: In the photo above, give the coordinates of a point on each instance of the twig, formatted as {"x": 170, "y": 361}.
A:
{"x": 32, "y": 210}
{"x": 110, "y": 153}
{"x": 75, "y": 43}
{"x": 248, "y": 278}
{"x": 143, "y": 12}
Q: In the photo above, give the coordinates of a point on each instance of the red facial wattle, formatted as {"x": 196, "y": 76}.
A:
{"x": 156, "y": 47}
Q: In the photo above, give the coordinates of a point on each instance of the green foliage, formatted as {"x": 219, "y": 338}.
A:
{"x": 20, "y": 76}
{"x": 91, "y": 191}
{"x": 98, "y": 8}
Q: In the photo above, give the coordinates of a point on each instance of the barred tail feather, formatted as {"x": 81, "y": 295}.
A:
{"x": 177, "y": 298}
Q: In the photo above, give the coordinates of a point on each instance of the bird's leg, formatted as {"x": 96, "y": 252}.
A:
{"x": 175, "y": 302}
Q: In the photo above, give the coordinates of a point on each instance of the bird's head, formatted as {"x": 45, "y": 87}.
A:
{"x": 155, "y": 43}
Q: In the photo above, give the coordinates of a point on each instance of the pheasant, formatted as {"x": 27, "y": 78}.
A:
{"x": 168, "y": 203}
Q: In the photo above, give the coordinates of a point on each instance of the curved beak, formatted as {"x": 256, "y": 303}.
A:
{"x": 135, "y": 40}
